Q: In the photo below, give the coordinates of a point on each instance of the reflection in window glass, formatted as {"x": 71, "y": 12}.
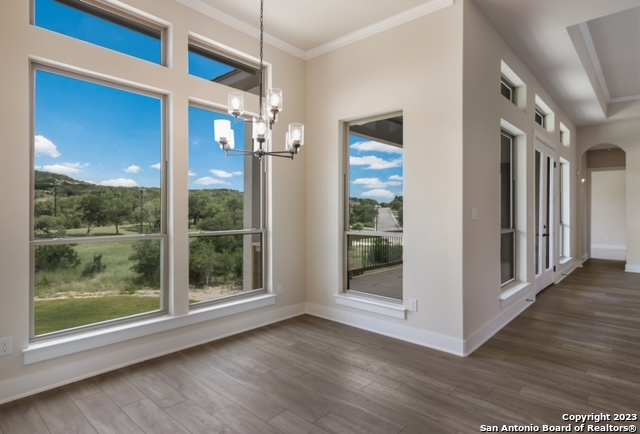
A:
{"x": 91, "y": 24}
{"x": 214, "y": 67}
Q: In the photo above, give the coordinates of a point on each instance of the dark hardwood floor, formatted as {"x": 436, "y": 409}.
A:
{"x": 575, "y": 351}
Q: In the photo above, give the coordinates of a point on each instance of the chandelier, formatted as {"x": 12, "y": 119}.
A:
{"x": 270, "y": 107}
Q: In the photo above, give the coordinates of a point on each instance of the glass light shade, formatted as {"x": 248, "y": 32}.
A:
{"x": 295, "y": 136}
{"x": 235, "y": 103}
{"x": 223, "y": 133}
{"x": 259, "y": 128}
{"x": 274, "y": 100}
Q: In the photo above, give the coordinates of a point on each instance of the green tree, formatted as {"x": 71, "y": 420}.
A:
{"x": 93, "y": 209}
{"x": 56, "y": 257}
{"x": 146, "y": 262}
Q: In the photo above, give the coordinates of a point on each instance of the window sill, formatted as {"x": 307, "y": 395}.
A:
{"x": 394, "y": 310}
{"x": 564, "y": 260}
{"x": 513, "y": 293}
{"x": 51, "y": 349}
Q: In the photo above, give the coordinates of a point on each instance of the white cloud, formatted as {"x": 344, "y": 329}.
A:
{"x": 221, "y": 173}
{"x": 65, "y": 168}
{"x": 376, "y": 147}
{"x": 120, "y": 182}
{"x": 192, "y": 173}
{"x": 237, "y": 173}
{"x": 375, "y": 183}
{"x": 396, "y": 178}
{"x": 207, "y": 180}
{"x": 133, "y": 169}
{"x": 375, "y": 163}
{"x": 44, "y": 146}
{"x": 379, "y": 194}
{"x": 370, "y": 182}
{"x": 156, "y": 166}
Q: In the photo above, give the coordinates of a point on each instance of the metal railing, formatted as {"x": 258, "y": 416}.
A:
{"x": 370, "y": 251}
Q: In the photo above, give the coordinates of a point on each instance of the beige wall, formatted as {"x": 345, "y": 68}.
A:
{"x": 626, "y": 135}
{"x": 484, "y": 109}
{"x": 415, "y": 68}
{"x": 605, "y": 158}
{"x": 19, "y": 41}
{"x": 608, "y": 217}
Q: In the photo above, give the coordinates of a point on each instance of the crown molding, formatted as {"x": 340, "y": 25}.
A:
{"x": 426, "y": 8}
{"x": 241, "y": 26}
{"x": 389, "y": 23}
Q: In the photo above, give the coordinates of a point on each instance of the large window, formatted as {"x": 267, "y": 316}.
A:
{"x": 374, "y": 207}
{"x": 225, "y": 221}
{"x": 102, "y": 25}
{"x": 98, "y": 237}
{"x": 138, "y": 216}
{"x": 507, "y": 209}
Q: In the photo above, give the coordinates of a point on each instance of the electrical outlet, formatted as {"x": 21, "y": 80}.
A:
{"x": 413, "y": 304}
{"x": 279, "y": 288}
{"x": 6, "y": 345}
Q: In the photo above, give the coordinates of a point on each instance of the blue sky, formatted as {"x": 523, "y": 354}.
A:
{"x": 113, "y": 137}
{"x": 376, "y": 170}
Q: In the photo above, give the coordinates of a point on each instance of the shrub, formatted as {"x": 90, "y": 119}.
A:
{"x": 94, "y": 267}
{"x": 53, "y": 258}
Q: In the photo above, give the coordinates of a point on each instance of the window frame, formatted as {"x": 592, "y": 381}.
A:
{"x": 161, "y": 236}
{"x": 506, "y": 84}
{"x": 541, "y": 115}
{"x": 346, "y": 227}
{"x": 512, "y": 227}
{"x": 260, "y": 230}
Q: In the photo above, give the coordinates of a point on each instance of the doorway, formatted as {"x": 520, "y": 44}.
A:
{"x": 544, "y": 234}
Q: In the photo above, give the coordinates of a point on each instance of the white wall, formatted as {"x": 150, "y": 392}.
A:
{"x": 608, "y": 215}
{"x": 19, "y": 42}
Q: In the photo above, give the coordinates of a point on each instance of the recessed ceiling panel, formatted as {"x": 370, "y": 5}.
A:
{"x": 616, "y": 40}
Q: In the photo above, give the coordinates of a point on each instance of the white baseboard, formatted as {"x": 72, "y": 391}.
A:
{"x": 632, "y": 268}
{"x": 507, "y": 315}
{"x": 144, "y": 349}
{"x": 617, "y": 252}
{"x": 391, "y": 328}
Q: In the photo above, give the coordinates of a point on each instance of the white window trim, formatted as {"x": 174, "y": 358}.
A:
{"x": 394, "y": 310}
{"x": 72, "y": 344}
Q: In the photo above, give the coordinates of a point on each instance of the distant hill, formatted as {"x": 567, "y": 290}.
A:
{"x": 65, "y": 184}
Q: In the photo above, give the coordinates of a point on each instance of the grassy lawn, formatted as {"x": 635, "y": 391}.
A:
{"x": 55, "y": 315}
{"x": 117, "y": 275}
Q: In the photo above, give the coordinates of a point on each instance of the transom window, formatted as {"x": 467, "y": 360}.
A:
{"x": 206, "y": 63}
{"x": 507, "y": 89}
{"x": 101, "y": 25}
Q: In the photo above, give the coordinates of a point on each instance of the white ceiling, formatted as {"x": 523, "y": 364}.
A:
{"x": 586, "y": 53}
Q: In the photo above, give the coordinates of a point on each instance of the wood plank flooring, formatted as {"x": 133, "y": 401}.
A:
{"x": 575, "y": 351}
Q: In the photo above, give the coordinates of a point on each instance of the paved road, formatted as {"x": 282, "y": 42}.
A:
{"x": 386, "y": 221}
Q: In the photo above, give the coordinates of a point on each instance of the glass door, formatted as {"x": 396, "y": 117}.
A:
{"x": 544, "y": 262}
